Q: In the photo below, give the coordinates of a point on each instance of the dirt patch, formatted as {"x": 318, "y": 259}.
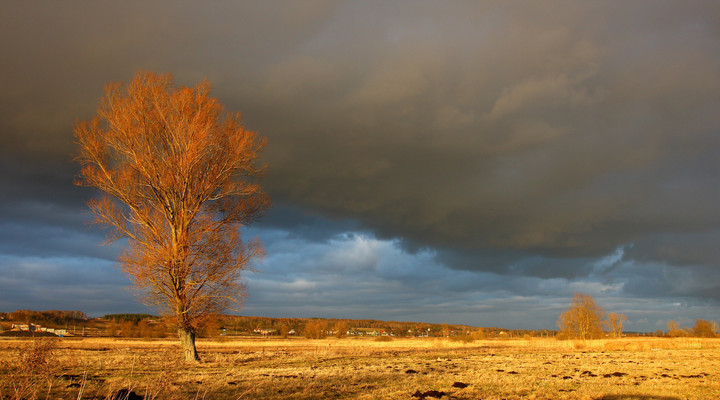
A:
{"x": 125, "y": 394}
{"x": 614, "y": 374}
{"x": 430, "y": 393}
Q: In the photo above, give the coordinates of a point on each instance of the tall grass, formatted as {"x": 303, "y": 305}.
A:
{"x": 31, "y": 372}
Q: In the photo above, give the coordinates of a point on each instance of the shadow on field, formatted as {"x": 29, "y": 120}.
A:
{"x": 636, "y": 397}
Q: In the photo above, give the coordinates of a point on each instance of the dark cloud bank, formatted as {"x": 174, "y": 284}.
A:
{"x": 429, "y": 161}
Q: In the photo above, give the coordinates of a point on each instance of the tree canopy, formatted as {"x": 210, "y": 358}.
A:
{"x": 582, "y": 319}
{"x": 177, "y": 172}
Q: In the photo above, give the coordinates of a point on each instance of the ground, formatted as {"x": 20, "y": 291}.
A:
{"x": 363, "y": 368}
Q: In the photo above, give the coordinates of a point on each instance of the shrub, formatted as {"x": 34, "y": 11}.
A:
{"x": 462, "y": 338}
{"x": 33, "y": 370}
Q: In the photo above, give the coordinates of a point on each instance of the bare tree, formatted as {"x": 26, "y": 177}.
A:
{"x": 703, "y": 328}
{"x": 674, "y": 329}
{"x": 614, "y": 323}
{"x": 315, "y": 329}
{"x": 177, "y": 174}
{"x": 583, "y": 318}
{"x": 340, "y": 329}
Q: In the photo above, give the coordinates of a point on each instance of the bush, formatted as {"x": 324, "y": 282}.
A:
{"x": 34, "y": 369}
{"x": 383, "y": 339}
{"x": 462, "y": 338}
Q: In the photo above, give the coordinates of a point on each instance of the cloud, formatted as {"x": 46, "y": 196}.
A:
{"x": 360, "y": 276}
{"x": 90, "y": 285}
{"x": 488, "y": 141}
{"x": 571, "y": 150}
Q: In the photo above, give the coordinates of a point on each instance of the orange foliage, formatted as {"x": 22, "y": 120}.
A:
{"x": 177, "y": 174}
{"x": 582, "y": 319}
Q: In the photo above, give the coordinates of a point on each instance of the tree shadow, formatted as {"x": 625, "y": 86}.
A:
{"x": 636, "y": 397}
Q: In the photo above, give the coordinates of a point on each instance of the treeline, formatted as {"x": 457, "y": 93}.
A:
{"x": 316, "y": 327}
{"x": 702, "y": 328}
{"x": 51, "y": 318}
{"x": 585, "y": 319}
{"x": 137, "y": 326}
{"x": 134, "y": 318}
{"x": 151, "y": 326}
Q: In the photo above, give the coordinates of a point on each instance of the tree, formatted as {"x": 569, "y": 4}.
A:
{"x": 177, "y": 175}
{"x": 340, "y": 329}
{"x": 703, "y": 328}
{"x": 112, "y": 327}
{"x": 582, "y": 319}
{"x": 674, "y": 329}
{"x": 614, "y": 323}
{"x": 315, "y": 330}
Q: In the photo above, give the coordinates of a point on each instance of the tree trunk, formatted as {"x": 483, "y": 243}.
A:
{"x": 187, "y": 341}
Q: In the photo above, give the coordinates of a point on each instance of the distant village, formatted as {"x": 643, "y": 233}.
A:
{"x": 38, "y": 328}
{"x": 77, "y": 323}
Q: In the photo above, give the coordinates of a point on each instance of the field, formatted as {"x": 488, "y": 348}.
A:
{"x": 364, "y": 368}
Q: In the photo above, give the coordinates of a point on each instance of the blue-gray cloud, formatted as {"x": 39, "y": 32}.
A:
{"x": 359, "y": 276}
{"x": 504, "y": 147}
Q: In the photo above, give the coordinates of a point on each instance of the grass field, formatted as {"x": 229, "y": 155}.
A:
{"x": 418, "y": 368}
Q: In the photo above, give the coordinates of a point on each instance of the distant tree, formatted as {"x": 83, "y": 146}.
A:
{"x": 673, "y": 329}
{"x": 112, "y": 327}
{"x": 583, "y": 319}
{"x": 315, "y": 330}
{"x": 144, "y": 330}
{"x": 209, "y": 327}
{"x": 340, "y": 329}
{"x": 614, "y": 323}
{"x": 479, "y": 334}
{"x": 128, "y": 329}
{"x": 703, "y": 328}
{"x": 176, "y": 170}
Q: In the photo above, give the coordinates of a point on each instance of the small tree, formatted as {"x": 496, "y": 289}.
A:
{"x": 674, "y": 329}
{"x": 614, "y": 323}
{"x": 340, "y": 329}
{"x": 703, "y": 328}
{"x": 315, "y": 330}
{"x": 176, "y": 170}
{"x": 583, "y": 319}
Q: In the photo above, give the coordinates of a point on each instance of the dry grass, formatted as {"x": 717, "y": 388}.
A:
{"x": 637, "y": 369}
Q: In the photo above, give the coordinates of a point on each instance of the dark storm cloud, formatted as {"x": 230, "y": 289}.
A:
{"x": 563, "y": 136}
{"x": 516, "y": 139}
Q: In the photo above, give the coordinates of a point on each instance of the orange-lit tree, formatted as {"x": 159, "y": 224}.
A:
{"x": 177, "y": 172}
{"x": 582, "y": 319}
{"x": 614, "y": 323}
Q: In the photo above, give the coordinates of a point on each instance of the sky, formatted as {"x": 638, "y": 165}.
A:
{"x": 463, "y": 162}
